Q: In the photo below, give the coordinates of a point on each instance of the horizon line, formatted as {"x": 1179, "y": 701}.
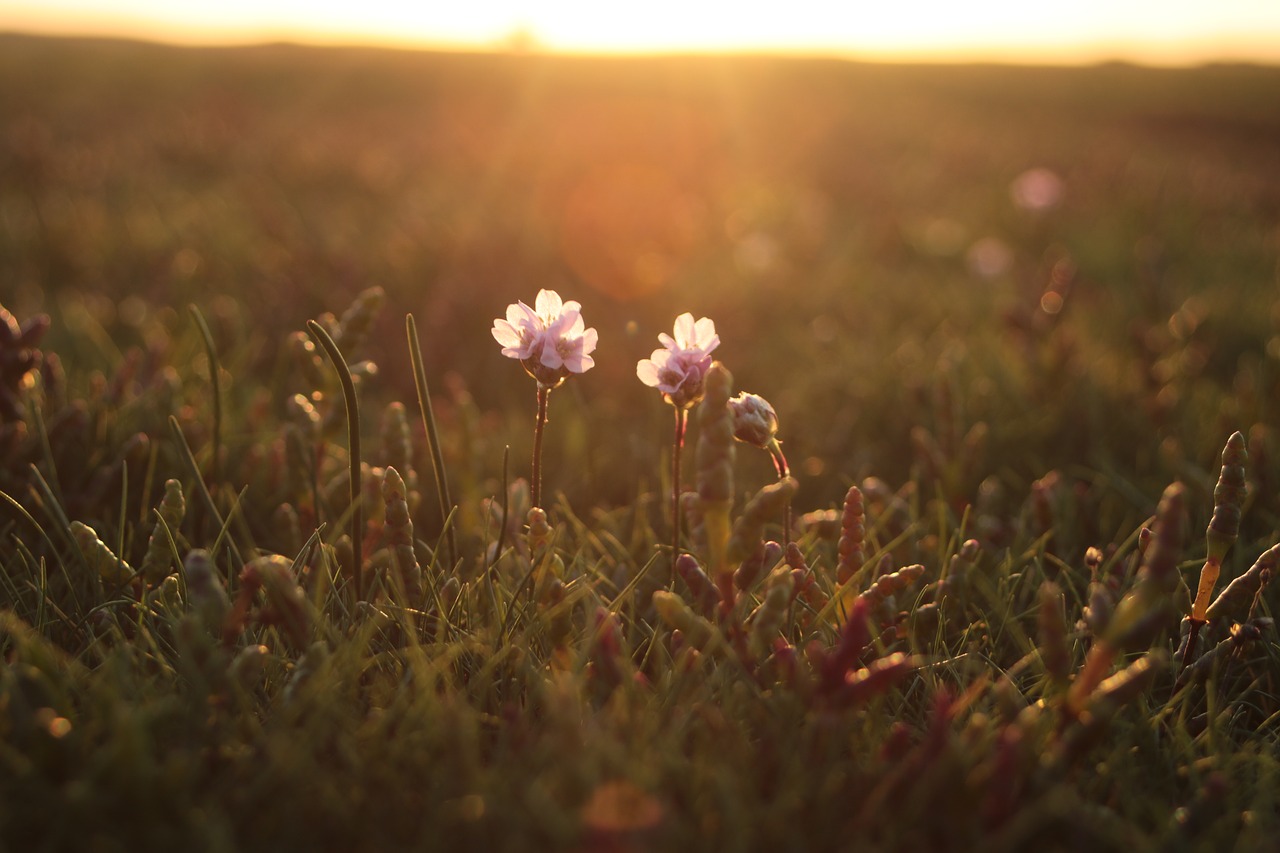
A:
{"x": 523, "y": 42}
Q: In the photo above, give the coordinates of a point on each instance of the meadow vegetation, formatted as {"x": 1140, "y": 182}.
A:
{"x": 271, "y": 576}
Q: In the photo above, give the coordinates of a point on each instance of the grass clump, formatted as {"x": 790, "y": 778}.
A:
{"x": 558, "y": 694}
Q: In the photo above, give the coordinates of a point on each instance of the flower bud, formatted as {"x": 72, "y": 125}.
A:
{"x": 754, "y": 420}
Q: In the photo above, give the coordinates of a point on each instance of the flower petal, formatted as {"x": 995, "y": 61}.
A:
{"x": 704, "y": 331}
{"x": 505, "y": 334}
{"x": 548, "y": 303}
{"x": 551, "y": 356}
{"x": 647, "y": 371}
{"x": 589, "y": 338}
{"x": 686, "y": 336}
{"x": 563, "y": 323}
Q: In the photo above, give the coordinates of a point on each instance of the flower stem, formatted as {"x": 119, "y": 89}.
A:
{"x": 1189, "y": 653}
{"x": 543, "y": 393}
{"x": 780, "y": 464}
{"x": 681, "y": 421}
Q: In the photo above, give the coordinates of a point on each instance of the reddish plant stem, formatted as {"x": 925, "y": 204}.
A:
{"x": 1189, "y": 653}
{"x": 536, "y": 486}
{"x": 780, "y": 463}
{"x": 681, "y": 421}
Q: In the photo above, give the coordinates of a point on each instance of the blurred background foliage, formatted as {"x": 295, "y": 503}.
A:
{"x": 958, "y": 276}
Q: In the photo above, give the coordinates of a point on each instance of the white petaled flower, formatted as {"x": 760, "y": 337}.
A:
{"x": 550, "y": 340}
{"x": 691, "y": 337}
{"x": 520, "y": 334}
{"x": 568, "y": 343}
{"x": 754, "y": 419}
{"x": 678, "y": 369}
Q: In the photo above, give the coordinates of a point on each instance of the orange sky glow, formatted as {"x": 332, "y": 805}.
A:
{"x": 1152, "y": 31}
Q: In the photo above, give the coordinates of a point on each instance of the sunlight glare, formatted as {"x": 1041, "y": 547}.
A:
{"x": 1145, "y": 30}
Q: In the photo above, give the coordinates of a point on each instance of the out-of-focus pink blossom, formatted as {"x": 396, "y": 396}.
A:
{"x": 678, "y": 369}
{"x": 550, "y": 340}
{"x": 1037, "y": 190}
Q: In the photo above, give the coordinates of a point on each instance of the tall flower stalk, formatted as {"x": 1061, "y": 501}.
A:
{"x": 678, "y": 370}
{"x": 552, "y": 343}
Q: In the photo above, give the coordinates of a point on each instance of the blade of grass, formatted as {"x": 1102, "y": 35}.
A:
{"x": 31, "y": 565}
{"x": 216, "y": 387}
{"x": 43, "y": 535}
{"x": 433, "y": 434}
{"x": 353, "y": 443}
{"x": 307, "y": 548}
{"x": 124, "y": 508}
{"x": 224, "y": 533}
{"x": 54, "y": 508}
{"x": 506, "y": 507}
{"x": 148, "y": 481}
{"x": 633, "y": 583}
{"x": 193, "y": 468}
{"x": 46, "y": 448}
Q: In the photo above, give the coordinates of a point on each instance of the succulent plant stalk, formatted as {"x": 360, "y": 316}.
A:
{"x": 399, "y": 533}
{"x": 1224, "y": 527}
{"x": 156, "y": 565}
{"x": 715, "y": 469}
{"x": 1143, "y": 612}
{"x": 852, "y": 536}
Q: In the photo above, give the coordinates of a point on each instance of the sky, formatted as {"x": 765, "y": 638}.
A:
{"x": 1166, "y": 32}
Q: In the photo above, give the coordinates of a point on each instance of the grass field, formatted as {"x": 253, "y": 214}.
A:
{"x": 1011, "y": 321}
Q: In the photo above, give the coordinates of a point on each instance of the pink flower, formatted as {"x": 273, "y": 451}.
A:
{"x": 678, "y": 369}
{"x": 550, "y": 340}
{"x": 690, "y": 336}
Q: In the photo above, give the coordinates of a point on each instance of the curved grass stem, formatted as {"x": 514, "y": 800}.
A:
{"x": 353, "y": 443}
{"x": 433, "y": 436}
